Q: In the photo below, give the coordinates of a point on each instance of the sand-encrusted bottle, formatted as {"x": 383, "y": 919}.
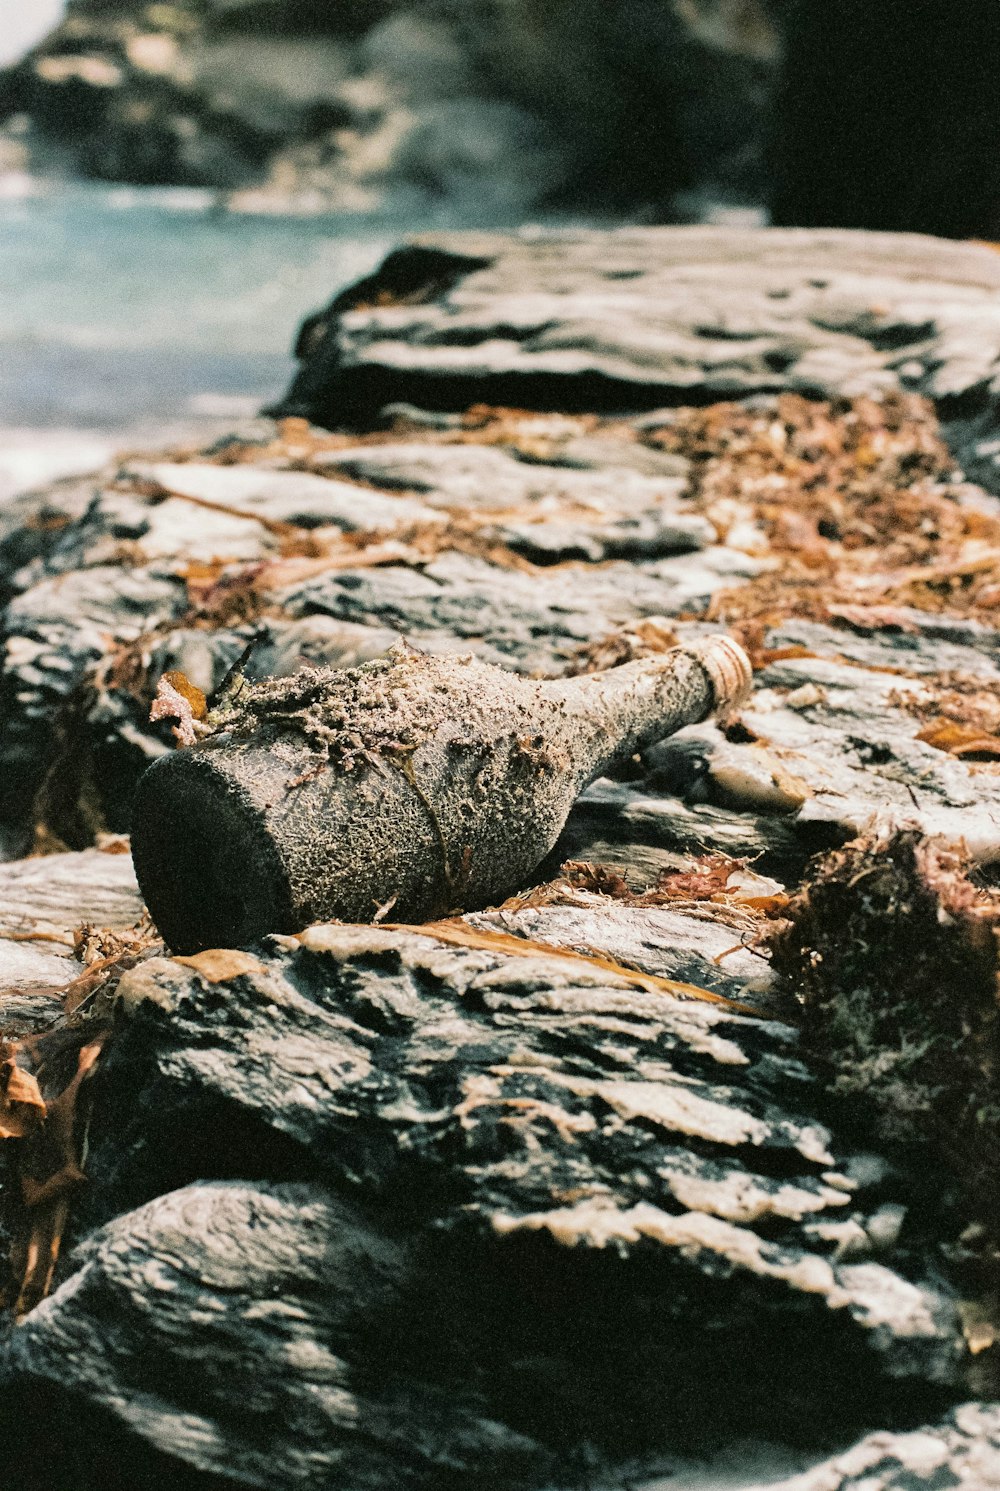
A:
{"x": 413, "y": 785}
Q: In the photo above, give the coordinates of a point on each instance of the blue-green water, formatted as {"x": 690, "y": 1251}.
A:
{"x": 121, "y": 306}
{"x": 131, "y": 316}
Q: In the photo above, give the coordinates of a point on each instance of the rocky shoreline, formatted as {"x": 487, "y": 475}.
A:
{"x": 557, "y": 1192}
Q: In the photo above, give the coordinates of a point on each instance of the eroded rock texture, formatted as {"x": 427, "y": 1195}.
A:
{"x": 470, "y": 1183}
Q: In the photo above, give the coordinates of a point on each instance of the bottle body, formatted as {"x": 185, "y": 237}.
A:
{"x": 407, "y": 788}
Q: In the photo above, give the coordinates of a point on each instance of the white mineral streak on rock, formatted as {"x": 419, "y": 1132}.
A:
{"x": 849, "y": 1239}
{"x": 680, "y": 1111}
{"x": 167, "y": 532}
{"x": 873, "y": 1295}
{"x": 881, "y": 1297}
{"x": 962, "y": 1451}
{"x": 742, "y": 1198}
{"x": 673, "y": 1106}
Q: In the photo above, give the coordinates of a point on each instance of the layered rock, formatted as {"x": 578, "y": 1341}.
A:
{"x": 551, "y": 1193}
{"x": 642, "y": 318}
{"x": 376, "y": 1209}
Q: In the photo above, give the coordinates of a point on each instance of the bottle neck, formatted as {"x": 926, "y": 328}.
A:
{"x": 614, "y": 714}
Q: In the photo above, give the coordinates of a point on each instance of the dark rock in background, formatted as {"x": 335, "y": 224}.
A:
{"x": 888, "y": 117}
{"x": 879, "y": 114}
{"x": 491, "y": 107}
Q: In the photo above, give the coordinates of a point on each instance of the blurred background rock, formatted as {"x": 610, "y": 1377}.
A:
{"x": 508, "y": 106}
{"x": 871, "y": 113}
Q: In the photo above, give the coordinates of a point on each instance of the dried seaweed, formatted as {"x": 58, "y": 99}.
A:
{"x": 22, "y": 1107}
{"x": 460, "y": 934}
{"x": 894, "y": 953}
{"x": 42, "y": 1087}
{"x": 857, "y": 500}
{"x": 48, "y": 1163}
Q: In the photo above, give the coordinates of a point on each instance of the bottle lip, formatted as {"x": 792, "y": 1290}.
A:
{"x": 728, "y": 668}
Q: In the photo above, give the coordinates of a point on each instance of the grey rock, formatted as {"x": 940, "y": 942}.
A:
{"x": 847, "y": 752}
{"x": 54, "y": 635}
{"x": 531, "y": 622}
{"x": 67, "y": 890}
{"x": 646, "y": 825}
{"x": 297, "y": 497}
{"x": 923, "y": 644}
{"x": 623, "y": 512}
{"x": 644, "y": 317}
{"x": 507, "y": 1169}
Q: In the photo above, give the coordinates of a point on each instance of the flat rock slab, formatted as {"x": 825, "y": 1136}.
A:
{"x": 44, "y": 903}
{"x": 699, "y": 944}
{"x": 54, "y": 891}
{"x": 639, "y": 317}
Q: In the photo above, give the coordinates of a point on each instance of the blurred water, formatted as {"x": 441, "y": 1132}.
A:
{"x": 125, "y": 312}
{"x": 119, "y": 302}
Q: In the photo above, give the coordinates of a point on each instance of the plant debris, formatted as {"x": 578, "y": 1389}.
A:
{"x": 857, "y": 500}
{"x": 647, "y": 637}
{"x": 894, "y": 953}
{"x": 48, "y": 1161}
{"x": 717, "y": 879}
{"x": 22, "y": 1107}
{"x": 42, "y": 1087}
{"x": 178, "y": 699}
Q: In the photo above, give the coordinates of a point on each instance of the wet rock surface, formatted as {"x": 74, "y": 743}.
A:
{"x": 555, "y": 1192}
